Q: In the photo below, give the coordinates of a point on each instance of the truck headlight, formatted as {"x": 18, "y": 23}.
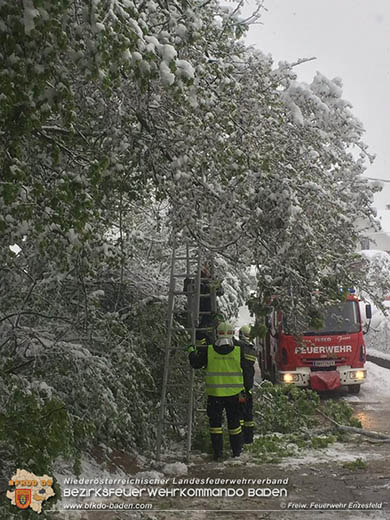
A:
{"x": 290, "y": 378}
{"x": 359, "y": 374}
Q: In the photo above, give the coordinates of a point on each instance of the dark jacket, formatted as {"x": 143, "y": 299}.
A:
{"x": 248, "y": 363}
{"x": 205, "y": 289}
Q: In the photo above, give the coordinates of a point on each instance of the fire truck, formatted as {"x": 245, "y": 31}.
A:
{"x": 321, "y": 359}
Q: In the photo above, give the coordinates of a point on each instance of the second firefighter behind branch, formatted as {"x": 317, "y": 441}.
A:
{"x": 225, "y": 365}
{"x": 246, "y": 397}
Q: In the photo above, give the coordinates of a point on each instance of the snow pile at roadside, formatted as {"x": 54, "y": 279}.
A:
{"x": 377, "y": 386}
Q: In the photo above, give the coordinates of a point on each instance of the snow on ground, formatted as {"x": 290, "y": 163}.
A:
{"x": 175, "y": 469}
{"x": 377, "y": 386}
{"x": 89, "y": 469}
{"x": 97, "y": 475}
{"x": 372, "y": 404}
{"x": 337, "y": 451}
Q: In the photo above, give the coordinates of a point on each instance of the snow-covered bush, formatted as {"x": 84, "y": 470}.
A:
{"x": 103, "y": 391}
{"x": 378, "y": 337}
{"x": 376, "y": 291}
{"x": 377, "y": 266}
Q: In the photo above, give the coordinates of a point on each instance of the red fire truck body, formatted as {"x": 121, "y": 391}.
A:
{"x": 323, "y": 359}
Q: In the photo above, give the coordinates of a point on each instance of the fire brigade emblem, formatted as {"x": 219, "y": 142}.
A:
{"x": 22, "y": 498}
{"x": 30, "y": 490}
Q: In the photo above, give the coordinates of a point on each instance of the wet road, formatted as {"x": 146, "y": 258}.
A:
{"x": 372, "y": 404}
{"x": 373, "y": 417}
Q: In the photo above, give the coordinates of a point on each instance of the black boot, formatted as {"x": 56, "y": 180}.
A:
{"x": 248, "y": 435}
{"x": 236, "y": 444}
{"x": 217, "y": 444}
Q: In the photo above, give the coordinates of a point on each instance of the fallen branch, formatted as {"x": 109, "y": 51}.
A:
{"x": 352, "y": 429}
{"x": 378, "y": 441}
{"x": 309, "y": 434}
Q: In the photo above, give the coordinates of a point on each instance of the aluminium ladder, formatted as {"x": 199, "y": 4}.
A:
{"x": 178, "y": 376}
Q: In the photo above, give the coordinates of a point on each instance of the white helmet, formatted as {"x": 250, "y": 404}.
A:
{"x": 225, "y": 331}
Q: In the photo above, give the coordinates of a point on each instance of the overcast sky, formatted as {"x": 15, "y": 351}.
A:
{"x": 351, "y": 40}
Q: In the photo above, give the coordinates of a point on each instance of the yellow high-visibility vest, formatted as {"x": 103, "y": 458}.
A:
{"x": 224, "y": 373}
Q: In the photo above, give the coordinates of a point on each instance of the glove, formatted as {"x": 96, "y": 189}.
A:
{"x": 242, "y": 397}
{"x": 191, "y": 348}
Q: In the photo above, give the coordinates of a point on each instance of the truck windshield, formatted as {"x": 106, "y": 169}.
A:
{"x": 339, "y": 319}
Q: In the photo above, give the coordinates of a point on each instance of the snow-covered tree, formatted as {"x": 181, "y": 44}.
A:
{"x": 124, "y": 123}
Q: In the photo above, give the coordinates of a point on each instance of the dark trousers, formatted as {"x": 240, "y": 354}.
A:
{"x": 215, "y": 408}
{"x": 246, "y": 418}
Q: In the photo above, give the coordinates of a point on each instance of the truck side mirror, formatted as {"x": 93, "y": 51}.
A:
{"x": 368, "y": 311}
{"x": 268, "y": 322}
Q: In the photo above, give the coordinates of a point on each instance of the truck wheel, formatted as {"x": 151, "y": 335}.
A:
{"x": 353, "y": 389}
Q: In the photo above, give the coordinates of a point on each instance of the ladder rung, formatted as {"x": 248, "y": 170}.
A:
{"x": 205, "y": 312}
{"x": 181, "y": 275}
{"x": 204, "y": 295}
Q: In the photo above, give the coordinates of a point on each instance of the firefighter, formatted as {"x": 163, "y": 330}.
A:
{"x": 246, "y": 397}
{"x": 223, "y": 361}
{"x": 208, "y": 311}
{"x": 208, "y": 315}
